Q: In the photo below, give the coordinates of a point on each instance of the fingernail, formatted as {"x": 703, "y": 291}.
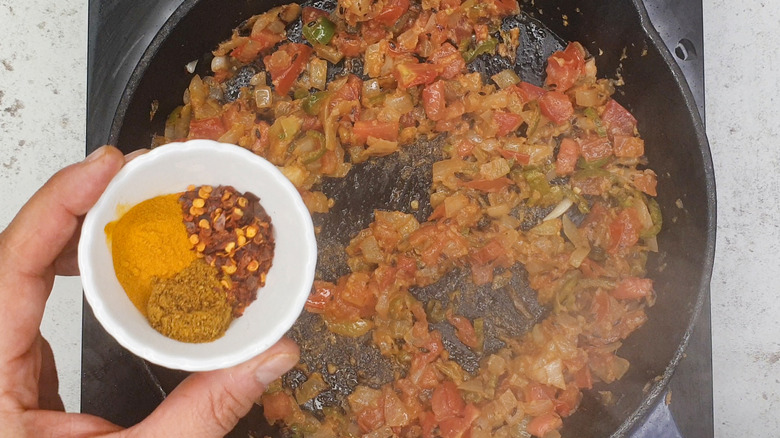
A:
{"x": 96, "y": 154}
{"x": 274, "y": 367}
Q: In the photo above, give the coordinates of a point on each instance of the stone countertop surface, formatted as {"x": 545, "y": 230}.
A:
{"x": 43, "y": 58}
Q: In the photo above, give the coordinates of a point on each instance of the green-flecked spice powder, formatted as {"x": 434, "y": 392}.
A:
{"x": 191, "y": 306}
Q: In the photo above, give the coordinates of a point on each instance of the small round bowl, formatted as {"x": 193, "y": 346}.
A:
{"x": 170, "y": 169}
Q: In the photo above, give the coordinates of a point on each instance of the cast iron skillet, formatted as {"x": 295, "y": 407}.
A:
{"x": 624, "y": 42}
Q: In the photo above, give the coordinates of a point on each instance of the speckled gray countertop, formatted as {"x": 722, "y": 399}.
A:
{"x": 43, "y": 47}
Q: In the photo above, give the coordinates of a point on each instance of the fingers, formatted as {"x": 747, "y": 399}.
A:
{"x": 135, "y": 154}
{"x": 57, "y": 424}
{"x": 36, "y": 237}
{"x": 210, "y": 404}
{"x": 48, "y": 221}
{"x": 49, "y": 383}
{"x": 67, "y": 263}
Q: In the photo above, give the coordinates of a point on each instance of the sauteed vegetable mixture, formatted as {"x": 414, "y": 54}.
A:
{"x": 567, "y": 147}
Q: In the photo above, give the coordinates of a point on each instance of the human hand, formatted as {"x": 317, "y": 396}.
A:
{"x": 40, "y": 243}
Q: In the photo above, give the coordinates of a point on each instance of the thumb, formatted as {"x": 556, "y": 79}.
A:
{"x": 210, "y": 404}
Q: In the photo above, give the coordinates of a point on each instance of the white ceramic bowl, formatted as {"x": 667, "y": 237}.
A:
{"x": 170, "y": 169}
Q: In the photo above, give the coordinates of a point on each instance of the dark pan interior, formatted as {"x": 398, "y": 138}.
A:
{"x": 619, "y": 34}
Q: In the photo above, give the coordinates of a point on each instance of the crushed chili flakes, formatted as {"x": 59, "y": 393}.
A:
{"x": 231, "y": 231}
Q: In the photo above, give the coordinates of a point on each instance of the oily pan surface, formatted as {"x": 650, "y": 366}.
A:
{"x": 350, "y": 219}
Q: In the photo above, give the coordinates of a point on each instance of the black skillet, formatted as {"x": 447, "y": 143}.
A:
{"x": 655, "y": 92}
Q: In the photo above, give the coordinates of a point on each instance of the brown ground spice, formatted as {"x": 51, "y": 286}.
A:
{"x": 191, "y": 306}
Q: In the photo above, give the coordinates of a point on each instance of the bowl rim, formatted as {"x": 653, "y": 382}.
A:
{"x": 157, "y": 355}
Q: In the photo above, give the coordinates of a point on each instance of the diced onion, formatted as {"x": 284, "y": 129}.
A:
{"x": 370, "y": 249}
{"x": 505, "y": 78}
{"x": 378, "y": 147}
{"x": 374, "y": 59}
{"x": 275, "y": 26}
{"x": 295, "y": 173}
{"x": 454, "y": 203}
{"x": 328, "y": 53}
{"x": 643, "y": 213}
{"x": 409, "y": 39}
{"x": 258, "y": 79}
{"x": 318, "y": 73}
{"x": 233, "y": 135}
{"x": 363, "y": 397}
{"x": 494, "y": 169}
{"x": 578, "y": 256}
{"x": 473, "y": 385}
{"x": 371, "y": 88}
{"x": 580, "y": 242}
{"x": 443, "y": 170}
{"x": 263, "y": 97}
{"x": 573, "y": 234}
{"x": 220, "y": 63}
{"x": 652, "y": 243}
{"x": 190, "y": 67}
{"x": 310, "y": 388}
{"x": 588, "y": 97}
{"x": 382, "y": 432}
{"x": 546, "y": 228}
{"x": 559, "y": 209}
{"x": 497, "y": 211}
{"x": 400, "y": 102}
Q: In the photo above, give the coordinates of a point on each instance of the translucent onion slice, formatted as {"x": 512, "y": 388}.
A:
{"x": 559, "y": 209}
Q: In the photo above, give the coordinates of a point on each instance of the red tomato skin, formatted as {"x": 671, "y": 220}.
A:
{"x": 628, "y": 146}
{"x": 491, "y": 251}
{"x": 646, "y": 182}
{"x": 633, "y": 288}
{"x": 433, "y": 101}
{"x": 583, "y": 379}
{"x": 489, "y": 186}
{"x": 624, "y": 230}
{"x": 519, "y": 157}
{"x": 527, "y": 91}
{"x": 348, "y": 44}
{"x": 392, "y": 11}
{"x": 406, "y": 263}
{"x": 618, "y": 120}
{"x": 537, "y": 391}
{"x": 566, "y": 162}
{"x": 446, "y": 401}
{"x": 428, "y": 423}
{"x": 371, "y": 418}
{"x": 321, "y": 294}
{"x": 351, "y": 90}
{"x": 595, "y": 148}
{"x": 565, "y": 67}
{"x": 277, "y": 406}
{"x": 507, "y": 6}
{"x": 261, "y": 134}
{"x": 459, "y": 427}
{"x": 211, "y": 129}
{"x": 543, "y": 424}
{"x": 556, "y": 106}
{"x": 256, "y": 44}
{"x": 411, "y": 74}
{"x": 309, "y": 14}
{"x": 568, "y": 400}
{"x": 507, "y": 122}
{"x": 362, "y": 129}
{"x": 449, "y": 60}
{"x": 464, "y": 330}
{"x": 283, "y": 78}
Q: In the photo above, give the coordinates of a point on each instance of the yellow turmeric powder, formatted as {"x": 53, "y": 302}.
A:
{"x": 149, "y": 241}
